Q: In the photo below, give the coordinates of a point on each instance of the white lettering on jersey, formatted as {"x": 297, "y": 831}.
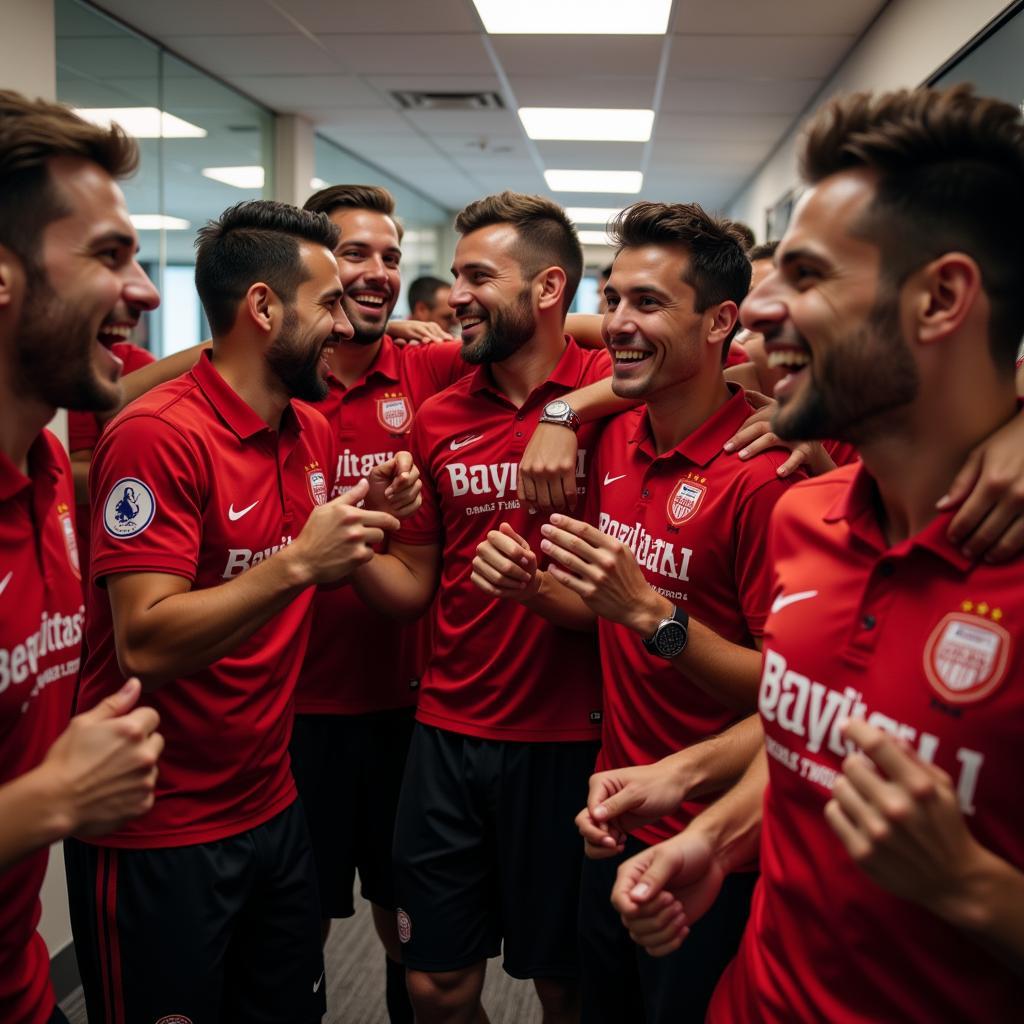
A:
{"x": 814, "y": 711}
{"x": 495, "y": 478}
{"x": 240, "y": 559}
{"x": 56, "y": 632}
{"x": 353, "y": 466}
{"x": 659, "y": 556}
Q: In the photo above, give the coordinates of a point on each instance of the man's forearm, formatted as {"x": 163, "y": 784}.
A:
{"x": 560, "y": 606}
{"x": 185, "y": 632}
{"x": 597, "y": 400}
{"x": 718, "y": 763}
{"x": 395, "y": 588}
{"x": 30, "y": 816}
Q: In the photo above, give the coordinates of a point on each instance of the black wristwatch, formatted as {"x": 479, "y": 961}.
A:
{"x": 670, "y": 637}
{"x": 560, "y": 412}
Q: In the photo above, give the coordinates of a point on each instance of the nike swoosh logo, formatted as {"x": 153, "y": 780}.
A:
{"x": 5, "y": 581}
{"x": 316, "y": 987}
{"x": 784, "y": 600}
{"x": 233, "y": 515}
{"x": 456, "y": 445}
{"x": 611, "y": 479}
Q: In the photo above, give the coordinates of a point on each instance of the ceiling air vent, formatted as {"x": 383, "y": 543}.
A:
{"x": 412, "y": 99}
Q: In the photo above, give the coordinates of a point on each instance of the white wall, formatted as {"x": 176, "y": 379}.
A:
{"x": 910, "y": 40}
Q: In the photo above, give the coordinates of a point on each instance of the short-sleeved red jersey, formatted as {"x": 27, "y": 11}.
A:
{"x": 920, "y": 642}
{"x": 358, "y": 660}
{"x": 190, "y": 481}
{"x": 696, "y": 518}
{"x": 498, "y": 671}
{"x": 41, "y": 616}
{"x": 84, "y": 431}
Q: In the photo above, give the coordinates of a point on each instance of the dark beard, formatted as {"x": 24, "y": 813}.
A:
{"x": 53, "y": 353}
{"x": 854, "y": 383}
{"x": 297, "y": 370}
{"x": 508, "y": 329}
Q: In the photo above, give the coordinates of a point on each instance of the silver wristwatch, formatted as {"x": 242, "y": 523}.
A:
{"x": 559, "y": 411}
{"x": 670, "y": 637}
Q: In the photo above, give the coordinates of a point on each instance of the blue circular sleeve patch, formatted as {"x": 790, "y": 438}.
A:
{"x": 129, "y": 508}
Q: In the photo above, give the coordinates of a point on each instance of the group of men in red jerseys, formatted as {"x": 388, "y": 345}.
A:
{"x": 801, "y": 695}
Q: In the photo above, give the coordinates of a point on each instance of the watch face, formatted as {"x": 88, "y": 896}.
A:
{"x": 556, "y": 408}
{"x": 670, "y": 639}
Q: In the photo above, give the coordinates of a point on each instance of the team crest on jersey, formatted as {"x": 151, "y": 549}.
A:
{"x": 404, "y": 926}
{"x": 67, "y": 527}
{"x": 129, "y": 508}
{"x": 966, "y": 655}
{"x": 394, "y": 413}
{"x": 685, "y": 499}
{"x": 317, "y": 481}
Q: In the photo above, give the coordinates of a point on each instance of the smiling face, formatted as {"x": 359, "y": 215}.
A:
{"x": 828, "y": 315}
{"x": 491, "y": 298}
{"x": 312, "y": 325}
{"x": 368, "y": 256}
{"x": 85, "y": 292}
{"x": 655, "y": 336}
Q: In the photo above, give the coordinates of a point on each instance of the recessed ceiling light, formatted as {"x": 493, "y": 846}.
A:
{"x": 575, "y": 17}
{"x": 594, "y": 238}
{"x": 587, "y": 124}
{"x": 594, "y": 181}
{"x": 240, "y": 177}
{"x": 158, "y": 222}
{"x": 317, "y": 183}
{"x": 592, "y": 214}
{"x": 143, "y": 122}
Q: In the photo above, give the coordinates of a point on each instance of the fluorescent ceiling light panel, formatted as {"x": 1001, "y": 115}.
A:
{"x": 574, "y": 17}
{"x": 594, "y": 181}
{"x": 592, "y": 214}
{"x": 594, "y": 238}
{"x": 158, "y": 222}
{"x": 587, "y": 124}
{"x": 240, "y": 177}
{"x": 143, "y": 122}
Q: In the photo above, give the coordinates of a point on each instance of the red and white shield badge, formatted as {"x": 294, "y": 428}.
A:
{"x": 965, "y": 657}
{"x": 317, "y": 485}
{"x": 394, "y": 413}
{"x": 684, "y": 501}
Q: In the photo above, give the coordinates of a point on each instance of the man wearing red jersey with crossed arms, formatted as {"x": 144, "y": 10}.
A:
{"x": 892, "y": 839}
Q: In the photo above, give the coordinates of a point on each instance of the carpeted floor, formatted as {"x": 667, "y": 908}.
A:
{"x": 355, "y": 982}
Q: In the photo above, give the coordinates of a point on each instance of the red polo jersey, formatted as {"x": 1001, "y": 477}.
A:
{"x": 190, "y": 481}
{"x": 41, "y": 615}
{"x": 84, "y": 431}
{"x": 928, "y": 646}
{"x": 498, "y": 671}
{"x": 358, "y": 660}
{"x": 696, "y": 519}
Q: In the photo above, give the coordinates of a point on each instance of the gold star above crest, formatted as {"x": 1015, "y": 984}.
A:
{"x": 967, "y": 606}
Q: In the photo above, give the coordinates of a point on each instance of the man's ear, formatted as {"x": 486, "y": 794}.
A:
{"x": 723, "y": 320}
{"x": 551, "y": 287}
{"x": 12, "y": 277}
{"x": 944, "y": 292}
{"x": 259, "y": 306}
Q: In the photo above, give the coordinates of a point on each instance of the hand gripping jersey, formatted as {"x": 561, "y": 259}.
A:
{"x": 927, "y": 645}
{"x": 190, "y": 481}
{"x": 498, "y": 671}
{"x": 696, "y": 519}
{"x": 358, "y": 660}
{"x": 41, "y": 617}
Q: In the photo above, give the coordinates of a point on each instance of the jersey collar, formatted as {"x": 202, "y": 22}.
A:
{"x": 43, "y": 469}
{"x": 857, "y": 505}
{"x": 705, "y": 443}
{"x": 566, "y": 373}
{"x": 236, "y": 413}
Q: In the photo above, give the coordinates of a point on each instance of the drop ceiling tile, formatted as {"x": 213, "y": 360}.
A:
{"x": 256, "y": 54}
{"x": 290, "y": 93}
{"x": 440, "y": 82}
{"x": 407, "y": 147}
{"x": 780, "y": 17}
{"x": 635, "y": 91}
{"x": 225, "y": 17}
{"x": 410, "y": 15}
{"x": 709, "y": 96}
{"x": 458, "y": 122}
{"x": 765, "y": 128}
{"x": 568, "y": 56}
{"x": 412, "y": 54}
{"x": 753, "y": 57}
{"x": 363, "y": 120}
{"x": 604, "y": 156}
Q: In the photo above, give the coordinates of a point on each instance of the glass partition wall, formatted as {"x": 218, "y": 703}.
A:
{"x": 203, "y": 147}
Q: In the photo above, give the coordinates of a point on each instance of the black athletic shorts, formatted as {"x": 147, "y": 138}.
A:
{"x": 348, "y": 770}
{"x": 226, "y": 931}
{"x": 486, "y": 850}
{"x": 620, "y": 982}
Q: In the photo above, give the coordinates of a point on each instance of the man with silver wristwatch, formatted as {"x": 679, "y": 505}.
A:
{"x": 672, "y": 564}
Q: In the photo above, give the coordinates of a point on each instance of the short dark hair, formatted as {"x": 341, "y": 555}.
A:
{"x": 606, "y": 271}
{"x": 718, "y": 269}
{"x": 746, "y": 232}
{"x": 764, "y": 251}
{"x": 423, "y": 289}
{"x": 547, "y": 238}
{"x": 375, "y": 198}
{"x": 950, "y": 166}
{"x": 254, "y": 241}
{"x": 32, "y": 132}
